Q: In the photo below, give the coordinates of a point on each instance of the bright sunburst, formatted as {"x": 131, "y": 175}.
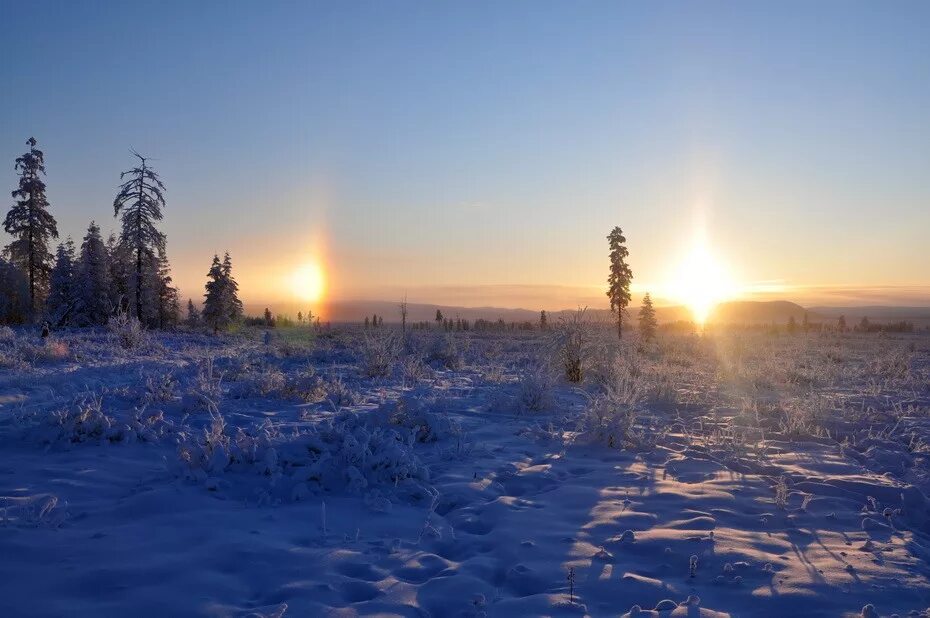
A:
{"x": 308, "y": 282}
{"x": 701, "y": 282}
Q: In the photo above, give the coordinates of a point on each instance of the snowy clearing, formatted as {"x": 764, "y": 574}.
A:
{"x": 348, "y": 472}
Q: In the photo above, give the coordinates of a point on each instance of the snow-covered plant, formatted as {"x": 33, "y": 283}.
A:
{"x": 160, "y": 387}
{"x": 781, "y": 492}
{"x": 446, "y": 352}
{"x": 606, "y": 421}
{"x": 127, "y": 331}
{"x": 534, "y": 389}
{"x": 206, "y": 391}
{"x": 421, "y": 416}
{"x": 378, "y": 351}
{"x": 573, "y": 343}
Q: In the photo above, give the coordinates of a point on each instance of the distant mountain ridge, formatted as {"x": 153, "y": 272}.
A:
{"x": 731, "y": 312}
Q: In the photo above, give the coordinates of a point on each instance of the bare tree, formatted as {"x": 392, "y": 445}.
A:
{"x": 403, "y": 315}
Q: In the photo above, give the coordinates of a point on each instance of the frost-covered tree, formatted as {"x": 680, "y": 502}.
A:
{"x": 31, "y": 225}
{"x": 543, "y": 320}
{"x": 92, "y": 277}
{"x": 213, "y": 312}
{"x": 140, "y": 200}
{"x": 119, "y": 259}
{"x": 647, "y": 319}
{"x": 14, "y": 294}
{"x": 221, "y": 306}
{"x": 841, "y": 323}
{"x": 233, "y": 303}
{"x": 438, "y": 317}
{"x": 62, "y": 301}
{"x": 165, "y": 308}
{"x": 193, "y": 315}
{"x": 618, "y": 282}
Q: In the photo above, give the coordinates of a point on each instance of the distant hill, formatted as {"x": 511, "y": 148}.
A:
{"x": 758, "y": 312}
{"x": 878, "y": 312}
{"x": 735, "y": 312}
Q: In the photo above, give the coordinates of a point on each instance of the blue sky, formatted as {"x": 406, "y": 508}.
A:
{"x": 437, "y": 147}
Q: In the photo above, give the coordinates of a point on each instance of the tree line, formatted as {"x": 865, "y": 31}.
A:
{"x": 86, "y": 285}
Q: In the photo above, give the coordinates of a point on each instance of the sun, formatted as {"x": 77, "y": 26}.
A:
{"x": 308, "y": 283}
{"x": 700, "y": 282}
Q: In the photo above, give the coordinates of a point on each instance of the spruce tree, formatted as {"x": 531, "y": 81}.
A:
{"x": 92, "y": 275}
{"x": 14, "y": 294}
{"x": 166, "y": 299}
{"x": 543, "y": 320}
{"x": 140, "y": 199}
{"x": 618, "y": 282}
{"x": 31, "y": 225}
{"x": 62, "y": 297}
{"x": 193, "y": 315}
{"x": 438, "y": 317}
{"x": 647, "y": 319}
{"x": 213, "y": 313}
{"x": 221, "y": 306}
{"x": 119, "y": 259}
{"x": 232, "y": 303}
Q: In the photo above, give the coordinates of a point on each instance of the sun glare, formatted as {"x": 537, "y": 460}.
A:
{"x": 701, "y": 282}
{"x": 308, "y": 282}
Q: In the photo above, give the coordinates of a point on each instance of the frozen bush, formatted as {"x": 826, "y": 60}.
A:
{"x": 213, "y": 450}
{"x": 413, "y": 369}
{"x": 85, "y": 421}
{"x": 160, "y": 387}
{"x": 534, "y": 389}
{"x": 606, "y": 421}
{"x": 349, "y": 454}
{"x": 446, "y": 352}
{"x": 378, "y": 351}
{"x": 420, "y": 416}
{"x": 573, "y": 343}
{"x": 206, "y": 391}
{"x": 127, "y": 331}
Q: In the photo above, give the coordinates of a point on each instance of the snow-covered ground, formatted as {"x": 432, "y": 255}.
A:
{"x": 349, "y": 472}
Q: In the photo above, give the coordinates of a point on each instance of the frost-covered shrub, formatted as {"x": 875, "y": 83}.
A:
{"x": 213, "y": 450}
{"x": 349, "y": 454}
{"x": 266, "y": 381}
{"x": 606, "y": 421}
{"x": 619, "y": 377}
{"x": 534, "y": 389}
{"x": 413, "y": 369}
{"x": 573, "y": 343}
{"x": 206, "y": 391}
{"x": 339, "y": 394}
{"x": 420, "y": 416}
{"x": 160, "y": 387}
{"x": 85, "y": 421}
{"x": 378, "y": 351}
{"x": 446, "y": 352}
{"x": 127, "y": 331}
{"x": 344, "y": 453}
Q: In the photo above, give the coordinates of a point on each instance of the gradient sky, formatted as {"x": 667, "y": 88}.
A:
{"x": 479, "y": 153}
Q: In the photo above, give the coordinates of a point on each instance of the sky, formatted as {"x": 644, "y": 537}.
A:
{"x": 478, "y": 153}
